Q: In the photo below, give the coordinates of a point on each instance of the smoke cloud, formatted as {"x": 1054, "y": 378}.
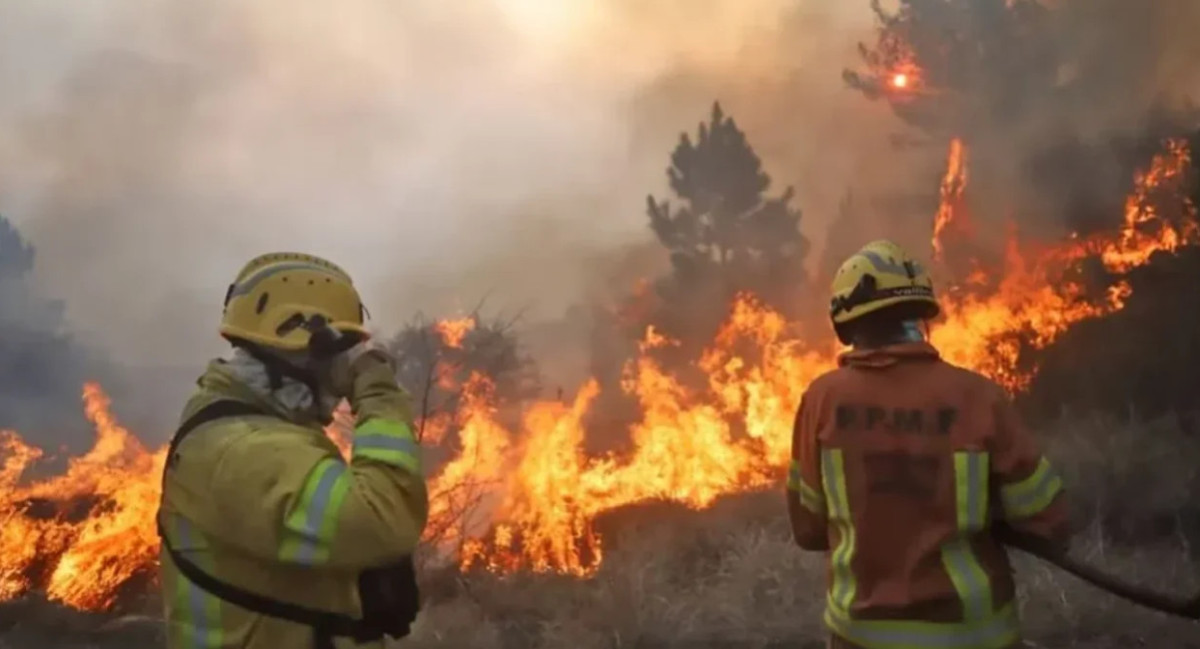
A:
{"x": 438, "y": 150}
{"x": 441, "y": 151}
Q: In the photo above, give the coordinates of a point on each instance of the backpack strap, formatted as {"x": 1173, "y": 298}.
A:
{"x": 221, "y": 409}
{"x": 324, "y": 623}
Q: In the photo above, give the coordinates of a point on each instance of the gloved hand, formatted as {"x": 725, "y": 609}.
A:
{"x": 346, "y": 367}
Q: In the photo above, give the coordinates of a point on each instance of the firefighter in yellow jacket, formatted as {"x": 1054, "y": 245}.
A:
{"x": 270, "y": 539}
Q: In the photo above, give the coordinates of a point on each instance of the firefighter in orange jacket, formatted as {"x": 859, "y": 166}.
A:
{"x": 903, "y": 466}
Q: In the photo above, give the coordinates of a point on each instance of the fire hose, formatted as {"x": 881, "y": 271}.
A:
{"x": 1170, "y": 604}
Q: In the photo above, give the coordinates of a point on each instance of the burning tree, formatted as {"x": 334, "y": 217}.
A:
{"x": 1023, "y": 84}
{"x": 727, "y": 235}
{"x": 437, "y": 357}
{"x": 455, "y": 369}
{"x": 943, "y": 65}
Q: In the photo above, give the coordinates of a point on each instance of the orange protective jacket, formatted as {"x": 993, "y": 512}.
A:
{"x": 901, "y": 463}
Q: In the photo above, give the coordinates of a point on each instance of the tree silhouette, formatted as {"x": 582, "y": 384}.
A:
{"x": 950, "y": 67}
{"x": 42, "y": 371}
{"x": 726, "y": 234}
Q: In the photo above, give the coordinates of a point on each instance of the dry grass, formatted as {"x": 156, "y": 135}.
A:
{"x": 731, "y": 577}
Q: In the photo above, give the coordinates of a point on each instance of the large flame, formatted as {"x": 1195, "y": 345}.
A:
{"x": 952, "y": 208}
{"x": 526, "y": 499}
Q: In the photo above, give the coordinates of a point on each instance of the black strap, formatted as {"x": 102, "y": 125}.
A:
{"x": 211, "y": 412}
{"x": 324, "y": 623}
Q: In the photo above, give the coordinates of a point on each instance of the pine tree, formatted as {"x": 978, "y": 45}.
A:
{"x": 726, "y": 234}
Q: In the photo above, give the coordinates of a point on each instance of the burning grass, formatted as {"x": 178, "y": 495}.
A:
{"x": 541, "y": 496}
{"x": 731, "y": 577}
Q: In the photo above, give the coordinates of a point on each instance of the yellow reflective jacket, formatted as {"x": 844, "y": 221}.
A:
{"x": 268, "y": 505}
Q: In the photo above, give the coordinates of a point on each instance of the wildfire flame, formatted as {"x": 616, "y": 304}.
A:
{"x": 454, "y": 331}
{"x": 952, "y": 208}
{"x": 527, "y": 499}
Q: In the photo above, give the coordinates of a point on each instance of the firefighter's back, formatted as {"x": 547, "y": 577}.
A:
{"x": 905, "y": 440}
{"x": 900, "y": 463}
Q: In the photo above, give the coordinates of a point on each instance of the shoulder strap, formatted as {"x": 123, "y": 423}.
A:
{"x": 221, "y": 409}
{"x": 323, "y": 621}
{"x": 331, "y": 623}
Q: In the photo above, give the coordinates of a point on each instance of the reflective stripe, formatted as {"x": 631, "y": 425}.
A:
{"x": 971, "y": 490}
{"x": 1033, "y": 494}
{"x": 388, "y": 441}
{"x": 810, "y": 498}
{"x": 833, "y": 473}
{"x": 311, "y": 525}
{"x": 971, "y": 495}
{"x": 998, "y": 631}
{"x": 198, "y": 612}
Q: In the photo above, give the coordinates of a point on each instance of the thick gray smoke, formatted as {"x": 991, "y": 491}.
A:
{"x": 441, "y": 151}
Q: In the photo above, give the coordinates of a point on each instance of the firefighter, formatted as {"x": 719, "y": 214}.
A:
{"x": 269, "y": 537}
{"x": 903, "y": 469}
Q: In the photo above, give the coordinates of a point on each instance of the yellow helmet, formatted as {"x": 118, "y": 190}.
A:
{"x": 277, "y": 299}
{"x": 880, "y": 275}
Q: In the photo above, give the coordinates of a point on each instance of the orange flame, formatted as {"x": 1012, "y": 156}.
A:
{"x": 952, "y": 207}
{"x": 526, "y": 498}
{"x": 454, "y": 331}
{"x": 83, "y": 562}
{"x": 1146, "y": 231}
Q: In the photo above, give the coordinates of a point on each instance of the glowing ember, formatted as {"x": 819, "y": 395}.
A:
{"x": 900, "y": 80}
{"x": 526, "y": 499}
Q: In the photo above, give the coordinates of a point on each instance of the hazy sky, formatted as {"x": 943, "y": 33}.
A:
{"x": 438, "y": 150}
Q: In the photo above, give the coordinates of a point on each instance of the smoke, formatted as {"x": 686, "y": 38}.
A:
{"x": 440, "y": 151}
{"x": 447, "y": 151}
{"x": 1126, "y": 78}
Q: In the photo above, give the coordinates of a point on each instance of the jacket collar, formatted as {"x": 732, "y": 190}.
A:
{"x": 888, "y": 355}
{"x": 222, "y": 380}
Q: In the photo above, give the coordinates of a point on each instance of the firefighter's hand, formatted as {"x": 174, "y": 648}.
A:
{"x": 363, "y": 360}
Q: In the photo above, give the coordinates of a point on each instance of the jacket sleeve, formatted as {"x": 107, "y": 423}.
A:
{"x": 1029, "y": 490}
{"x": 805, "y": 497}
{"x": 291, "y": 497}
